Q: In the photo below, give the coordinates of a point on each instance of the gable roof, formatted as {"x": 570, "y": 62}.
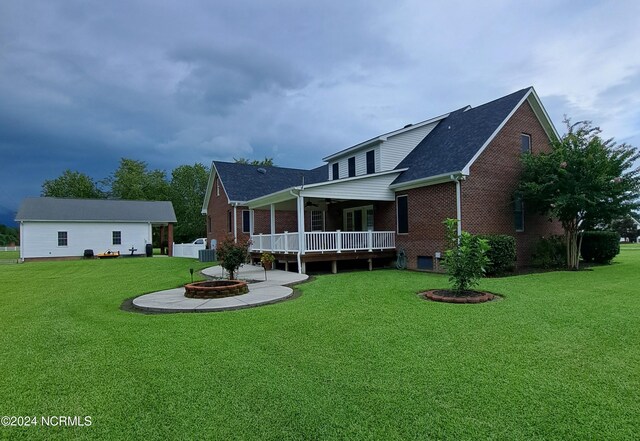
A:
{"x": 95, "y": 210}
{"x": 243, "y": 182}
{"x": 458, "y": 139}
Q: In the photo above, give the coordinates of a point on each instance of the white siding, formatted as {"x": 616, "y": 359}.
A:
{"x": 373, "y": 188}
{"x": 40, "y": 239}
{"x": 389, "y": 153}
{"x": 397, "y": 147}
{"x": 361, "y": 163}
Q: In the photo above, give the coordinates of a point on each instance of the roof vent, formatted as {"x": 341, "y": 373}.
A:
{"x": 408, "y": 125}
{"x": 262, "y": 171}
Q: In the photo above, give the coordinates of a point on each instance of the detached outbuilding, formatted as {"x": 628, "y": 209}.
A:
{"x": 62, "y": 228}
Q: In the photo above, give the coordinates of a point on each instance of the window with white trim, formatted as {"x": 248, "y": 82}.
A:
{"x": 116, "y": 238}
{"x": 358, "y": 218}
{"x": 351, "y": 163}
{"x": 62, "y": 239}
{"x": 246, "y": 221}
{"x": 525, "y": 143}
{"x": 317, "y": 220}
{"x": 335, "y": 171}
{"x": 518, "y": 213}
{"x": 402, "y": 214}
{"x": 371, "y": 162}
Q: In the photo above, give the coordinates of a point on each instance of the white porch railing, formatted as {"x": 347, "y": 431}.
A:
{"x": 325, "y": 241}
{"x": 189, "y": 250}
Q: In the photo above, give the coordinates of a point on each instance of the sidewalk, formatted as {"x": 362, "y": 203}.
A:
{"x": 261, "y": 292}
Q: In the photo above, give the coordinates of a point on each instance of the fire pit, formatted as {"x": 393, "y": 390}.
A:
{"x": 215, "y": 289}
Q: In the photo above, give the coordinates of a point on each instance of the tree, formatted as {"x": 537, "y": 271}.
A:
{"x": 186, "y": 192}
{"x": 584, "y": 180}
{"x": 72, "y": 184}
{"x": 9, "y": 235}
{"x": 626, "y": 227}
{"x": 268, "y": 162}
{"x": 133, "y": 181}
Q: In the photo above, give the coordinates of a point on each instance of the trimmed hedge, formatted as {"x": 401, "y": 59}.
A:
{"x": 502, "y": 254}
{"x": 600, "y": 246}
{"x": 550, "y": 252}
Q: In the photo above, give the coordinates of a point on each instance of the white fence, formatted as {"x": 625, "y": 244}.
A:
{"x": 9, "y": 248}
{"x": 189, "y": 250}
{"x": 321, "y": 241}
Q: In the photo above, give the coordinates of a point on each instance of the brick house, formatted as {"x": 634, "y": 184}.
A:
{"x": 391, "y": 193}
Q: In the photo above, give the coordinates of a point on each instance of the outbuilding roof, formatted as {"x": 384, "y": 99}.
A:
{"x": 244, "y": 182}
{"x": 95, "y": 210}
{"x": 451, "y": 145}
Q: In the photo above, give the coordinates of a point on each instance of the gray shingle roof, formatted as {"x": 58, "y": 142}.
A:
{"x": 244, "y": 182}
{"x": 456, "y": 139}
{"x": 95, "y": 210}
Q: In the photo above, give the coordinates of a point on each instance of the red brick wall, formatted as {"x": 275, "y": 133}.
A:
{"x": 428, "y": 207}
{"x": 487, "y": 194}
{"x": 486, "y": 197}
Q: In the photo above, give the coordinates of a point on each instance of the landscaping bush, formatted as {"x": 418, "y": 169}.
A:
{"x": 501, "y": 254}
{"x": 550, "y": 252}
{"x": 231, "y": 254}
{"x": 600, "y": 246}
{"x": 465, "y": 258}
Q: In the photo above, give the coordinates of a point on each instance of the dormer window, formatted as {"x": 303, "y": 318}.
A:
{"x": 371, "y": 162}
{"x": 335, "y": 171}
{"x": 352, "y": 166}
{"x": 525, "y": 143}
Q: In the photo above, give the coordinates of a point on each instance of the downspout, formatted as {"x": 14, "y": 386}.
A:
{"x": 457, "y": 179}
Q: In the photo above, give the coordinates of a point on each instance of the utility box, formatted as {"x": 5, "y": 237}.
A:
{"x": 207, "y": 255}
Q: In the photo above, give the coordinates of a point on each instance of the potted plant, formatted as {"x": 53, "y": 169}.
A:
{"x": 267, "y": 259}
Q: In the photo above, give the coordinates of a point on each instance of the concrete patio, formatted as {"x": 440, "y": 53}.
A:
{"x": 263, "y": 292}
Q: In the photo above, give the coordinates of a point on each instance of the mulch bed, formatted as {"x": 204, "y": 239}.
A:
{"x": 446, "y": 296}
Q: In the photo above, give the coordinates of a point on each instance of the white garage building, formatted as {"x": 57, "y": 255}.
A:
{"x": 61, "y": 227}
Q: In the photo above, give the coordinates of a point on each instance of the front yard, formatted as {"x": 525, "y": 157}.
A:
{"x": 357, "y": 356}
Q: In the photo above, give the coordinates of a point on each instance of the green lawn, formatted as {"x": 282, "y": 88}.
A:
{"x": 357, "y": 356}
{"x": 9, "y": 255}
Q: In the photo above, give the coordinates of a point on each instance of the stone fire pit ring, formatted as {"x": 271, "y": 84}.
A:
{"x": 215, "y": 289}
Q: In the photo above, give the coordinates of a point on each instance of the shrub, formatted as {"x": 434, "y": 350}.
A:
{"x": 501, "y": 253}
{"x": 232, "y": 254}
{"x": 600, "y": 246}
{"x": 465, "y": 259}
{"x": 550, "y": 252}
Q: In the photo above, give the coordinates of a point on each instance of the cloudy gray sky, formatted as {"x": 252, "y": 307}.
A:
{"x": 83, "y": 83}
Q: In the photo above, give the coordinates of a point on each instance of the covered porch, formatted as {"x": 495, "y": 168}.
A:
{"x": 347, "y": 219}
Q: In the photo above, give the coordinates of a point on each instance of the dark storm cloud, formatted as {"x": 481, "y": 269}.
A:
{"x": 222, "y": 77}
{"x": 83, "y": 83}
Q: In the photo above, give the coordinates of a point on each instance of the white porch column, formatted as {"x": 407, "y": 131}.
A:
{"x": 235, "y": 223}
{"x": 273, "y": 219}
{"x": 300, "y": 215}
{"x": 300, "y": 212}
